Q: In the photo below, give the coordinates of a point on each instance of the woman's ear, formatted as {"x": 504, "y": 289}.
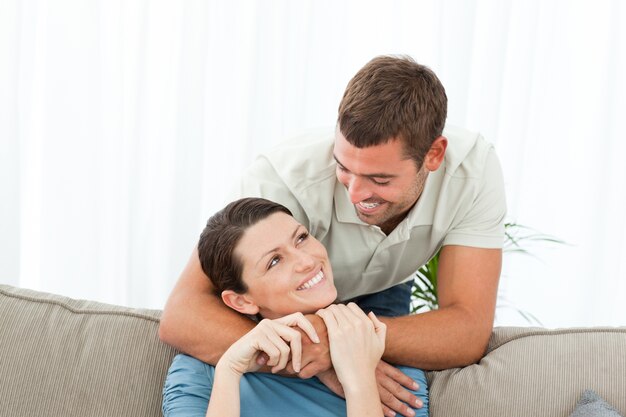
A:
{"x": 239, "y": 302}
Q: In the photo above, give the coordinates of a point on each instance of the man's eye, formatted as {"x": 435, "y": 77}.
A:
{"x": 380, "y": 182}
{"x": 342, "y": 168}
{"x": 273, "y": 262}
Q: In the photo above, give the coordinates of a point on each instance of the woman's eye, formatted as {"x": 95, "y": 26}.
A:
{"x": 303, "y": 237}
{"x": 273, "y": 262}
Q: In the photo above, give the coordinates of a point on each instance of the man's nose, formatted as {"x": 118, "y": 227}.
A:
{"x": 358, "y": 190}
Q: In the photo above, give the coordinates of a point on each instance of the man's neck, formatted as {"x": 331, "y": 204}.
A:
{"x": 391, "y": 224}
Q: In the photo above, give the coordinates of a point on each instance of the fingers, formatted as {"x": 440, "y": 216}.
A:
{"x": 330, "y": 319}
{"x": 351, "y": 331}
{"x": 274, "y": 342}
{"x": 271, "y": 343}
{"x": 350, "y": 313}
{"x": 262, "y": 358}
{"x": 388, "y": 411}
{"x": 280, "y": 339}
{"x": 277, "y": 334}
{"x": 296, "y": 351}
{"x": 298, "y": 319}
{"x": 379, "y": 327}
{"x": 315, "y": 356}
{"x": 393, "y": 394}
{"x": 338, "y": 316}
{"x": 396, "y": 375}
{"x": 392, "y": 406}
{"x": 357, "y": 311}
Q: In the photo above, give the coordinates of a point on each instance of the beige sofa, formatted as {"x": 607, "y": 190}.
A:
{"x": 64, "y": 357}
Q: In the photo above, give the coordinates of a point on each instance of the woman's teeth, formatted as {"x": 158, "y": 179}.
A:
{"x": 317, "y": 278}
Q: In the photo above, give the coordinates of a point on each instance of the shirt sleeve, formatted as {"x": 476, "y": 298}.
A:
{"x": 483, "y": 225}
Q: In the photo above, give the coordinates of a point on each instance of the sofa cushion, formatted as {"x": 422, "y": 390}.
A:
{"x": 65, "y": 357}
{"x": 539, "y": 372}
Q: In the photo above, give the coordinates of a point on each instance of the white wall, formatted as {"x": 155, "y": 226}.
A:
{"x": 122, "y": 124}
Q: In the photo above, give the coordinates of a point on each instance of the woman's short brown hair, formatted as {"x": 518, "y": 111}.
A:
{"x": 394, "y": 97}
{"x": 216, "y": 247}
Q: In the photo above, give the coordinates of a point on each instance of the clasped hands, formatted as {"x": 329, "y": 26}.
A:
{"x": 314, "y": 359}
{"x": 392, "y": 383}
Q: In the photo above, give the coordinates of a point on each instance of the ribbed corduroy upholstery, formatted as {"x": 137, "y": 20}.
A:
{"x": 64, "y": 357}
{"x": 535, "y": 372}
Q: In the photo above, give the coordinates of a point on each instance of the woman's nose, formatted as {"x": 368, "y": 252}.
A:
{"x": 304, "y": 261}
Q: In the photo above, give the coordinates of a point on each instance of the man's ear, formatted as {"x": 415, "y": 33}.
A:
{"x": 239, "y": 302}
{"x": 436, "y": 153}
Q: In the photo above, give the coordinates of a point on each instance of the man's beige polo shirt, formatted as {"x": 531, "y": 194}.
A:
{"x": 463, "y": 203}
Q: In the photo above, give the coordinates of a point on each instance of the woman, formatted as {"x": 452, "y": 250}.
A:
{"x": 264, "y": 264}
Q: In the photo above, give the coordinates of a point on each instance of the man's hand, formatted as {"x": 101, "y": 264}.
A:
{"x": 329, "y": 378}
{"x": 315, "y": 356}
{"x": 391, "y": 388}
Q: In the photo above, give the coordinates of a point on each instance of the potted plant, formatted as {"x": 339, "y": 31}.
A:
{"x": 424, "y": 292}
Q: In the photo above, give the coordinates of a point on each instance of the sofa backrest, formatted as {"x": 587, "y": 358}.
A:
{"x": 535, "y": 372}
{"x": 65, "y": 357}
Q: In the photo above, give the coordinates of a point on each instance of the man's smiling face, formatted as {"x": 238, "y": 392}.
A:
{"x": 383, "y": 184}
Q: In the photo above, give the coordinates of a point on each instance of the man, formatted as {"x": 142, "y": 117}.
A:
{"x": 383, "y": 197}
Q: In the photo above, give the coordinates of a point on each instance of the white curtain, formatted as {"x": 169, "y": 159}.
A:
{"x": 123, "y": 123}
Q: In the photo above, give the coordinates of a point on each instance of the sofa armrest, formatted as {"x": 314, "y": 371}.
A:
{"x": 65, "y": 357}
{"x": 535, "y": 372}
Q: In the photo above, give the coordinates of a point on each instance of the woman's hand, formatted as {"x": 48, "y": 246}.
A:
{"x": 270, "y": 337}
{"x": 276, "y": 338}
{"x": 357, "y": 342}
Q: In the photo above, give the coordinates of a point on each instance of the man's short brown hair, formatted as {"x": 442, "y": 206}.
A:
{"x": 394, "y": 97}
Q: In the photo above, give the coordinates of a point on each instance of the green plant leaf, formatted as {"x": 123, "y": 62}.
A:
{"x": 424, "y": 291}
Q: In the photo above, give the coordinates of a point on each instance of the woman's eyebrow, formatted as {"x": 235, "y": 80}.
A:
{"x": 293, "y": 235}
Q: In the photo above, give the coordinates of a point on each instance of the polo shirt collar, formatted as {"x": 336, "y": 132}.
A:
{"x": 344, "y": 208}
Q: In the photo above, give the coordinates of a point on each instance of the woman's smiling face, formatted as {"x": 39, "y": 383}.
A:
{"x": 286, "y": 269}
